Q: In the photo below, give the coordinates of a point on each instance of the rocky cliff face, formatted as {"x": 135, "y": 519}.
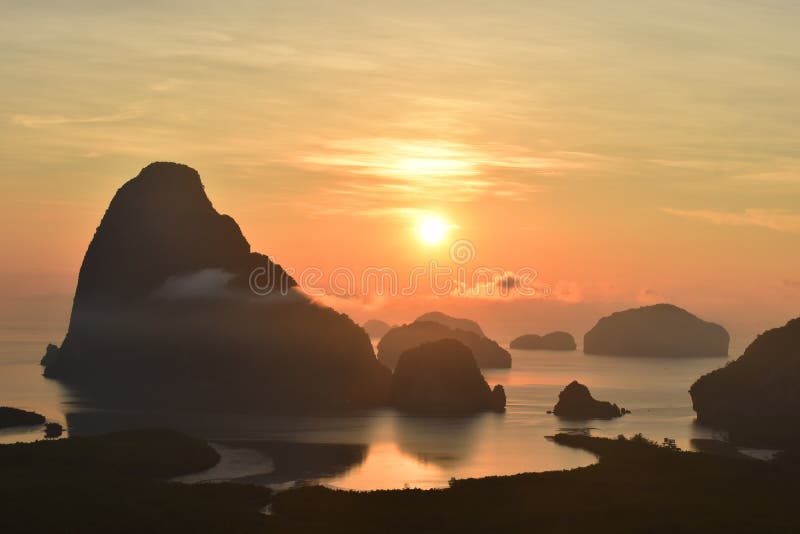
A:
{"x": 661, "y": 330}
{"x": 442, "y": 377}
{"x": 551, "y": 341}
{"x": 576, "y": 402}
{"x": 757, "y": 396}
{"x": 488, "y": 354}
{"x": 164, "y": 314}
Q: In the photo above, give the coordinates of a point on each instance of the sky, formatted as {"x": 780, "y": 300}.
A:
{"x": 627, "y": 152}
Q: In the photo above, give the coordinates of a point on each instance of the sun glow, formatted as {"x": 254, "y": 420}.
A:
{"x": 432, "y": 229}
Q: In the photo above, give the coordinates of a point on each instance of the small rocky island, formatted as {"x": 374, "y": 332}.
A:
{"x": 551, "y": 341}
{"x": 661, "y": 330}
{"x": 376, "y": 328}
{"x": 756, "y": 397}
{"x": 576, "y": 402}
{"x": 11, "y": 417}
{"x": 487, "y": 353}
{"x": 442, "y": 377}
{"x": 456, "y": 323}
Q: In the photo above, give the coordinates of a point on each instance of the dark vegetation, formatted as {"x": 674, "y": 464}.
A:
{"x": 164, "y": 299}
{"x": 576, "y": 402}
{"x": 661, "y": 330}
{"x": 53, "y": 430}
{"x": 636, "y": 487}
{"x": 117, "y": 483}
{"x": 551, "y": 341}
{"x": 10, "y": 417}
{"x": 441, "y": 377}
{"x": 488, "y": 353}
{"x": 756, "y": 397}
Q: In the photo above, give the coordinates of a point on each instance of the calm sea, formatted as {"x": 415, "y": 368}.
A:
{"x": 384, "y": 449}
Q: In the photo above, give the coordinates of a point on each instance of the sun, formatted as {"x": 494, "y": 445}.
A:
{"x": 432, "y": 229}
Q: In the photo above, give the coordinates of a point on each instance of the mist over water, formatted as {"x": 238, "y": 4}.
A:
{"x": 385, "y": 449}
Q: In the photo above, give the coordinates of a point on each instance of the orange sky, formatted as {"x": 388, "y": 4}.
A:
{"x": 629, "y": 154}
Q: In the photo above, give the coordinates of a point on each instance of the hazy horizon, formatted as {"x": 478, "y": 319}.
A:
{"x": 630, "y": 153}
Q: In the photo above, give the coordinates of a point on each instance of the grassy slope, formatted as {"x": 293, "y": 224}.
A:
{"x": 117, "y": 483}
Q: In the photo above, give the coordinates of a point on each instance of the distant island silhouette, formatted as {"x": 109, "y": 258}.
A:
{"x": 551, "y": 341}
{"x": 488, "y": 354}
{"x": 756, "y": 397}
{"x": 662, "y": 330}
{"x": 456, "y": 323}
{"x": 376, "y": 328}
{"x": 164, "y": 315}
{"x": 441, "y": 377}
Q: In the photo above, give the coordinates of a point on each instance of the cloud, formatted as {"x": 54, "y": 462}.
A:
{"x": 39, "y": 121}
{"x": 169, "y": 85}
{"x": 773, "y": 219}
{"x": 496, "y": 283}
{"x": 205, "y": 283}
{"x": 384, "y": 176}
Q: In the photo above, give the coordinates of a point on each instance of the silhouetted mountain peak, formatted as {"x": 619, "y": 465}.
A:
{"x": 160, "y": 225}
{"x": 164, "y": 299}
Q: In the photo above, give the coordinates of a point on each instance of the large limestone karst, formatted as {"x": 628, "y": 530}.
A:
{"x": 661, "y": 330}
{"x": 442, "y": 377}
{"x": 757, "y": 396}
{"x": 173, "y": 308}
{"x": 488, "y": 354}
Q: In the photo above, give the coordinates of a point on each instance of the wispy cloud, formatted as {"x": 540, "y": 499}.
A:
{"x": 384, "y": 176}
{"x": 41, "y": 121}
{"x": 168, "y": 85}
{"x": 416, "y": 160}
{"x": 773, "y": 219}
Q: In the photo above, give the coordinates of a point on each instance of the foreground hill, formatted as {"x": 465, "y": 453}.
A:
{"x": 117, "y": 483}
{"x": 488, "y": 353}
{"x": 173, "y": 308}
{"x": 757, "y": 396}
{"x": 660, "y": 330}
